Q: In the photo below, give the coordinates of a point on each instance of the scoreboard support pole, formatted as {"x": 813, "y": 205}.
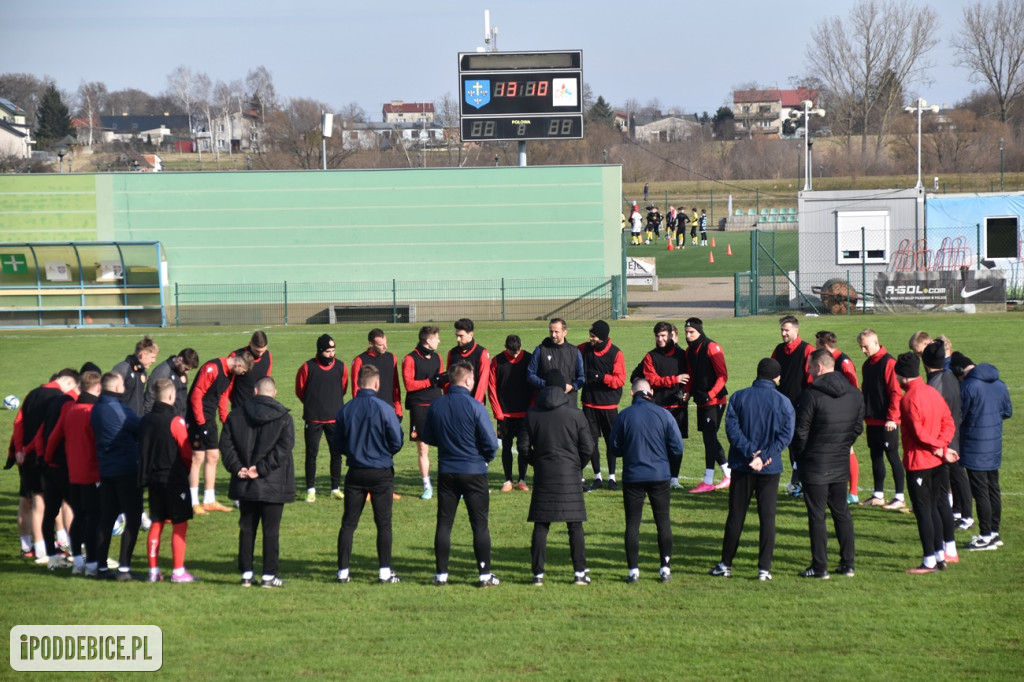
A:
{"x": 522, "y": 153}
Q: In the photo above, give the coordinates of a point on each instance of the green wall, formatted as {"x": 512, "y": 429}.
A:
{"x": 332, "y": 226}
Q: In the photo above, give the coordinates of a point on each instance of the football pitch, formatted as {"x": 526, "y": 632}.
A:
{"x": 881, "y": 624}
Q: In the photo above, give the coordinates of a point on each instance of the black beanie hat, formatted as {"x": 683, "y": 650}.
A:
{"x": 554, "y": 378}
{"x": 324, "y": 342}
{"x": 600, "y": 329}
{"x": 908, "y": 365}
{"x": 768, "y": 368}
{"x": 696, "y": 323}
{"x": 934, "y": 355}
{"x": 958, "y": 362}
{"x": 90, "y": 367}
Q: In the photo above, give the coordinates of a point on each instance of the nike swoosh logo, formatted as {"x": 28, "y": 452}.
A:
{"x": 964, "y": 293}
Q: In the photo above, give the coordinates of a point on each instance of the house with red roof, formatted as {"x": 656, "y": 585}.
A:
{"x": 762, "y": 112}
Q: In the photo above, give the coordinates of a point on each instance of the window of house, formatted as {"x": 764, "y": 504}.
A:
{"x": 862, "y": 235}
{"x": 1001, "y": 237}
{"x": 253, "y": 135}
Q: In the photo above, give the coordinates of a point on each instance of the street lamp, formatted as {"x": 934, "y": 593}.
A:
{"x": 806, "y": 114}
{"x": 919, "y": 107}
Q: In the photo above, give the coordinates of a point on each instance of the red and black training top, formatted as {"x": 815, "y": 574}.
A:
{"x": 387, "y": 365}
{"x": 321, "y": 390}
{"x": 209, "y": 393}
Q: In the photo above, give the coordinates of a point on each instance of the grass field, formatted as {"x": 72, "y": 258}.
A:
{"x": 881, "y": 624}
{"x": 693, "y": 261}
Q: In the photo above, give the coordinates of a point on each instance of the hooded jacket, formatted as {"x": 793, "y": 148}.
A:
{"x": 367, "y": 431}
{"x": 134, "y": 375}
{"x": 985, "y": 402}
{"x": 645, "y": 438}
{"x": 115, "y": 427}
{"x": 260, "y": 433}
{"x": 558, "y": 441}
{"x": 459, "y": 426}
{"x": 758, "y": 418}
{"x": 829, "y": 417}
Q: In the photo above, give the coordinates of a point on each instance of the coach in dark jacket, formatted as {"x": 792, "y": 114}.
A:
{"x": 985, "y": 401}
{"x": 256, "y": 448}
{"x": 559, "y": 443}
{"x": 646, "y": 438}
{"x": 369, "y": 434}
{"x": 115, "y": 427}
{"x": 829, "y": 417}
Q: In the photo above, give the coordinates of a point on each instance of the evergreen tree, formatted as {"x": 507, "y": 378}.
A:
{"x": 600, "y": 112}
{"x": 53, "y": 117}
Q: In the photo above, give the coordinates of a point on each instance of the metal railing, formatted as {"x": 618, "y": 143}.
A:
{"x": 394, "y": 301}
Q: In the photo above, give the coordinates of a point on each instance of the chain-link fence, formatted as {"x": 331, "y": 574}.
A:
{"x": 394, "y": 301}
{"x": 837, "y": 275}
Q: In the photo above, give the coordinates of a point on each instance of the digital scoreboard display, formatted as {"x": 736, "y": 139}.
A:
{"x": 521, "y": 95}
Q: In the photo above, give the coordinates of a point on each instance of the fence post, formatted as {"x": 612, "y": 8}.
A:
{"x": 757, "y": 203}
{"x": 977, "y": 248}
{"x": 286, "y": 303}
{"x": 755, "y": 276}
{"x": 177, "y": 307}
{"x": 502, "y": 300}
{"x": 394, "y": 303}
{"x": 616, "y": 297}
{"x": 711, "y": 219}
{"x": 625, "y": 275}
{"x": 863, "y": 262}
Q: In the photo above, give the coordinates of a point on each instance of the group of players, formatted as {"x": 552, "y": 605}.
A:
{"x": 87, "y": 443}
{"x": 643, "y": 231}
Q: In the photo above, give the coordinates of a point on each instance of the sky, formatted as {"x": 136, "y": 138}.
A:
{"x": 687, "y": 55}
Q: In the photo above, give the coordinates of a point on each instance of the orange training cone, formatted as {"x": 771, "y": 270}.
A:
{"x": 670, "y": 247}
{"x": 728, "y": 250}
{"x": 711, "y": 256}
{"x": 712, "y": 242}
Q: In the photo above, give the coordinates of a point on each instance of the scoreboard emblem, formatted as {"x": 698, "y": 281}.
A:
{"x": 564, "y": 92}
{"x": 478, "y": 93}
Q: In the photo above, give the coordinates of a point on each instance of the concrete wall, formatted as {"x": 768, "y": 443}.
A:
{"x": 330, "y": 226}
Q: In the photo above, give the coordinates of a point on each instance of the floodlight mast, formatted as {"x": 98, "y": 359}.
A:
{"x": 920, "y": 106}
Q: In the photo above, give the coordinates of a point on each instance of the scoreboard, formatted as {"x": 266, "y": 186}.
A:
{"x": 521, "y": 95}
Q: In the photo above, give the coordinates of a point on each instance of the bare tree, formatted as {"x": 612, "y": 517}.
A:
{"x": 352, "y": 113}
{"x": 202, "y": 91}
{"x": 294, "y": 137}
{"x": 223, "y": 101}
{"x": 25, "y": 91}
{"x": 868, "y": 61}
{"x": 990, "y": 44}
{"x": 91, "y": 99}
{"x": 448, "y": 115}
{"x": 261, "y": 88}
{"x": 181, "y": 83}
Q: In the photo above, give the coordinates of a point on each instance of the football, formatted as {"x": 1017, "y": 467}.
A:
{"x": 12, "y": 402}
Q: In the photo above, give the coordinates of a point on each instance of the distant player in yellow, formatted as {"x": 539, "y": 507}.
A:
{"x": 693, "y": 226}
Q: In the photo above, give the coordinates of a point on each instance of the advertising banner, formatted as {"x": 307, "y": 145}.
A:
{"x": 952, "y": 291}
